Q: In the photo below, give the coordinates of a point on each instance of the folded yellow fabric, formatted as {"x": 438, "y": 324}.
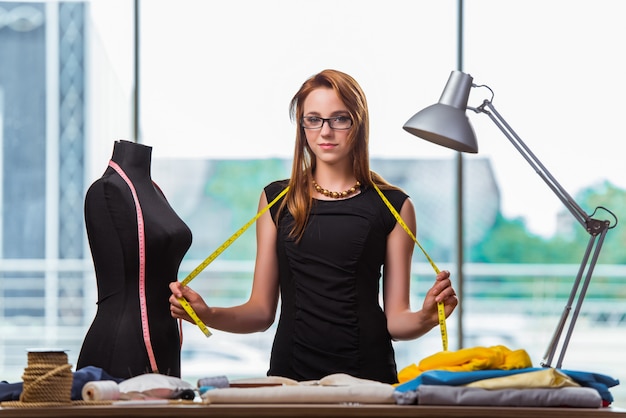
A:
{"x": 469, "y": 359}
{"x": 546, "y": 378}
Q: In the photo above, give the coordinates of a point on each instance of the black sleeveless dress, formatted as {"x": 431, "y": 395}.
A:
{"x": 115, "y": 340}
{"x": 331, "y": 320}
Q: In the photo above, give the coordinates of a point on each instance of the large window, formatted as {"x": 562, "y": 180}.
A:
{"x": 215, "y": 80}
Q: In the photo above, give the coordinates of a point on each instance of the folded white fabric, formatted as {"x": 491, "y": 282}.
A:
{"x": 575, "y": 397}
{"x": 337, "y": 388}
{"x": 155, "y": 385}
{"x": 145, "y": 386}
{"x": 265, "y": 381}
{"x": 343, "y": 379}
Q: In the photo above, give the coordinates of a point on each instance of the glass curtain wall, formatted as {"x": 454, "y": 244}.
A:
{"x": 553, "y": 69}
{"x": 215, "y": 83}
{"x": 216, "y": 88}
{"x": 65, "y": 91}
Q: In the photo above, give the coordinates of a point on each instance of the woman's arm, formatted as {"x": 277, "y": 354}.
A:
{"x": 258, "y": 313}
{"x": 402, "y": 323}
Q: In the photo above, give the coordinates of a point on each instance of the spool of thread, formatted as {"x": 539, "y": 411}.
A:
{"x": 102, "y": 390}
{"x": 215, "y": 382}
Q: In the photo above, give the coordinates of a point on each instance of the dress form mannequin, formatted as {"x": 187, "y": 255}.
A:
{"x": 116, "y": 340}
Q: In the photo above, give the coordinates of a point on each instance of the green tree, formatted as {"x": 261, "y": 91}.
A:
{"x": 596, "y": 200}
{"x": 509, "y": 240}
{"x": 236, "y": 187}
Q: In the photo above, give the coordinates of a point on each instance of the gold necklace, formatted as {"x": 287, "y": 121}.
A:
{"x": 336, "y": 195}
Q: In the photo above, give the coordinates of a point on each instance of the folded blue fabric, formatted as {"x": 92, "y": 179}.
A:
{"x": 12, "y": 391}
{"x": 597, "y": 381}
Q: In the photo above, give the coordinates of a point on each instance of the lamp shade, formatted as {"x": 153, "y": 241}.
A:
{"x": 446, "y": 123}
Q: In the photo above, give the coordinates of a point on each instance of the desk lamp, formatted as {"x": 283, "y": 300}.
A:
{"x": 446, "y": 123}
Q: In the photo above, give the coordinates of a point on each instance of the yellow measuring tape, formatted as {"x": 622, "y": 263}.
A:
{"x": 186, "y": 306}
{"x": 189, "y": 309}
{"x": 441, "y": 313}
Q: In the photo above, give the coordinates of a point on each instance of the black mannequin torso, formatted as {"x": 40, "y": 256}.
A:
{"x": 115, "y": 341}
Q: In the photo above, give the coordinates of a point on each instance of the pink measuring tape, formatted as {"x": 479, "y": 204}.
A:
{"x": 142, "y": 267}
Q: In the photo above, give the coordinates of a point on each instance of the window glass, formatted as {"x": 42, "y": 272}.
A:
{"x": 65, "y": 85}
{"x": 215, "y": 81}
{"x": 559, "y": 91}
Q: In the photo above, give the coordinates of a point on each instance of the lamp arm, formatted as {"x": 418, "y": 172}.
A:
{"x": 596, "y": 228}
{"x": 581, "y": 216}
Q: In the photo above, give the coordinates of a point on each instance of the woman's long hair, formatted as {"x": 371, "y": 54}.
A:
{"x": 299, "y": 199}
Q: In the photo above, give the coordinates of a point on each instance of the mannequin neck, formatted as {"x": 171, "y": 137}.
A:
{"x": 133, "y": 158}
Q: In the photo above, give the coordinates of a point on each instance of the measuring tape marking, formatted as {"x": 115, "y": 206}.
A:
{"x": 143, "y": 305}
{"x": 188, "y": 308}
{"x": 441, "y": 313}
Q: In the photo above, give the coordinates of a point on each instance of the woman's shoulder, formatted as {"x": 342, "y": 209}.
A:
{"x": 388, "y": 189}
{"x": 393, "y": 192}
{"x": 274, "y": 188}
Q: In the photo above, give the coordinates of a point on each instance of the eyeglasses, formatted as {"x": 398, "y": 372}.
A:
{"x": 337, "y": 122}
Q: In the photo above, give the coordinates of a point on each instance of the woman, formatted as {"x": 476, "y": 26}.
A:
{"x": 322, "y": 248}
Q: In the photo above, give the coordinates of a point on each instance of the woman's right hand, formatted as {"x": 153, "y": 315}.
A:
{"x": 195, "y": 300}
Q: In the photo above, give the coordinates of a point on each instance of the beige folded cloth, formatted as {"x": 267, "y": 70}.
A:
{"x": 546, "y": 378}
{"x": 265, "y": 381}
{"x": 337, "y": 388}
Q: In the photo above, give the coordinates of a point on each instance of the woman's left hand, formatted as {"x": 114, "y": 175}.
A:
{"x": 442, "y": 291}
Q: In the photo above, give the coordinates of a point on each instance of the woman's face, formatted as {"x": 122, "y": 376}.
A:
{"x": 330, "y": 146}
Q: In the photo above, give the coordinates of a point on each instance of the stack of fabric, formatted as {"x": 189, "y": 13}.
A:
{"x": 480, "y": 376}
{"x": 498, "y": 376}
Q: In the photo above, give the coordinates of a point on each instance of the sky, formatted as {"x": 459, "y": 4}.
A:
{"x": 217, "y": 78}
